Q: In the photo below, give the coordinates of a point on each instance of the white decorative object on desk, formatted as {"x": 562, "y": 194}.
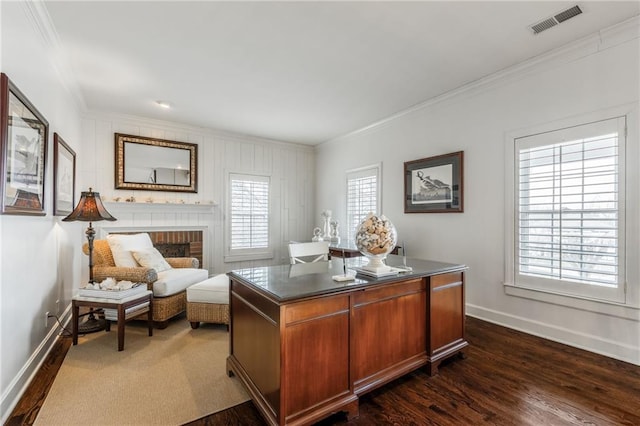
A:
{"x": 334, "y": 237}
{"x": 317, "y": 235}
{"x": 344, "y": 276}
{"x": 326, "y": 228}
{"x": 375, "y": 238}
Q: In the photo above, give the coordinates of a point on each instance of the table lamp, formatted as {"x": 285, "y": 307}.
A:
{"x": 90, "y": 209}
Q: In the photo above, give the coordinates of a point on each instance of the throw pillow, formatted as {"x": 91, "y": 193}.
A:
{"x": 122, "y": 245}
{"x": 151, "y": 258}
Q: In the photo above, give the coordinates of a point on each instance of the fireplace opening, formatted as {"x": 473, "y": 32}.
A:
{"x": 173, "y": 250}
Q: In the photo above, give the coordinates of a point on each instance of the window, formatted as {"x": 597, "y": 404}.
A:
{"x": 248, "y": 224}
{"x": 363, "y": 196}
{"x": 569, "y": 235}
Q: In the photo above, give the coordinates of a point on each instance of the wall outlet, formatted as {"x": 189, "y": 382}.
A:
{"x": 46, "y": 319}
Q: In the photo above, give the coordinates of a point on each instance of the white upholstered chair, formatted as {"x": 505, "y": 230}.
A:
{"x": 168, "y": 285}
{"x": 308, "y": 252}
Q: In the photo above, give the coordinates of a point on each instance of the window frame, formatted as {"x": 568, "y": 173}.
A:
{"x": 237, "y": 255}
{"x": 353, "y": 174}
{"x": 625, "y": 306}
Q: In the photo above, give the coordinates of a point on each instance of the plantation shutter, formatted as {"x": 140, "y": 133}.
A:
{"x": 249, "y": 212}
{"x": 570, "y": 225}
{"x": 362, "y": 196}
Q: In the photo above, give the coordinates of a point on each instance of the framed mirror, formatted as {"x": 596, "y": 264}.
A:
{"x": 155, "y": 164}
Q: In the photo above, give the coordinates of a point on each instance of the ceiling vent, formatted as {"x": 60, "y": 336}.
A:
{"x": 558, "y": 18}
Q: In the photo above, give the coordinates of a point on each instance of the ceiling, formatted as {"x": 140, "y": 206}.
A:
{"x": 303, "y": 72}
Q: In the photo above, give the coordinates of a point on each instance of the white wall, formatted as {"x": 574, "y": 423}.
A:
{"x": 597, "y": 73}
{"x": 37, "y": 266}
{"x": 291, "y": 167}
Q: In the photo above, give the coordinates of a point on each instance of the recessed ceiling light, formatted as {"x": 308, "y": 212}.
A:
{"x": 163, "y": 104}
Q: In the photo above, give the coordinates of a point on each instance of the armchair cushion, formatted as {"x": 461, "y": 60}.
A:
{"x": 122, "y": 245}
{"x": 151, "y": 258}
{"x": 173, "y": 281}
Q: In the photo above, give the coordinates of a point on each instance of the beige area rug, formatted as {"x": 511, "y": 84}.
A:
{"x": 174, "y": 377}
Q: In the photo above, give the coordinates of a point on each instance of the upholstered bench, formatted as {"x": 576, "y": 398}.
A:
{"x": 208, "y": 301}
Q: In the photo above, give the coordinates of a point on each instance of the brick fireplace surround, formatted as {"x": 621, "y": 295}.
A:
{"x": 175, "y": 243}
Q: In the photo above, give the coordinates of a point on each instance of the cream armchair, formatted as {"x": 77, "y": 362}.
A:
{"x": 169, "y": 287}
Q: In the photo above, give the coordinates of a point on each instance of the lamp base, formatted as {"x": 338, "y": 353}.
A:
{"x": 91, "y": 325}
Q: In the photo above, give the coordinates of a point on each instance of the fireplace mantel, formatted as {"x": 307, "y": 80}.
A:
{"x": 103, "y": 231}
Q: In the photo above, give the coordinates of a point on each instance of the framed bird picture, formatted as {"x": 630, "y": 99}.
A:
{"x": 434, "y": 184}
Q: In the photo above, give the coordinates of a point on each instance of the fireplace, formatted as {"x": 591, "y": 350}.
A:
{"x": 172, "y": 243}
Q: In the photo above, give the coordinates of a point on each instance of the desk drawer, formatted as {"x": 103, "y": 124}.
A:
{"x": 317, "y": 308}
{"x": 387, "y": 292}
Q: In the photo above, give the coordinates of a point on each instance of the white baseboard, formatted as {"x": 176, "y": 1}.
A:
{"x": 558, "y": 334}
{"x": 19, "y": 384}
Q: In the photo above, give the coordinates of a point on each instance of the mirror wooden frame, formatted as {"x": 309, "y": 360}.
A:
{"x": 121, "y": 163}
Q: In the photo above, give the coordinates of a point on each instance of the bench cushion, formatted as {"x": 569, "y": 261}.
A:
{"x": 212, "y": 290}
{"x": 175, "y": 280}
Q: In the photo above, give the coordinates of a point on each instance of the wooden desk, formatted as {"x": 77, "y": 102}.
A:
{"x": 306, "y": 346}
{"x": 120, "y": 305}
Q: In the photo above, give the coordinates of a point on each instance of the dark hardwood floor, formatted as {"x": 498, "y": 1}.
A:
{"x": 507, "y": 378}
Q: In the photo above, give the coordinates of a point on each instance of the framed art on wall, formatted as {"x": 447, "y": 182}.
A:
{"x": 64, "y": 177}
{"x": 23, "y": 152}
{"x": 434, "y": 184}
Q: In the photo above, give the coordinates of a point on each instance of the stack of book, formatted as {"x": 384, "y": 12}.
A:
{"x": 112, "y": 314}
{"x": 114, "y": 294}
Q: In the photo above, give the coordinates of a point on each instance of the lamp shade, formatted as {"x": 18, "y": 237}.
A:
{"x": 89, "y": 209}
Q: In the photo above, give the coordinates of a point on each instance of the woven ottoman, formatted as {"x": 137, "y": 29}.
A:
{"x": 208, "y": 301}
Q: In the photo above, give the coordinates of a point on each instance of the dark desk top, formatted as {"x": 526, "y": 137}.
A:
{"x": 284, "y": 283}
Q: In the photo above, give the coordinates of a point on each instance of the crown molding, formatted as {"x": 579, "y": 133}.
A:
{"x": 604, "y": 39}
{"x": 620, "y": 33}
{"x": 38, "y": 14}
